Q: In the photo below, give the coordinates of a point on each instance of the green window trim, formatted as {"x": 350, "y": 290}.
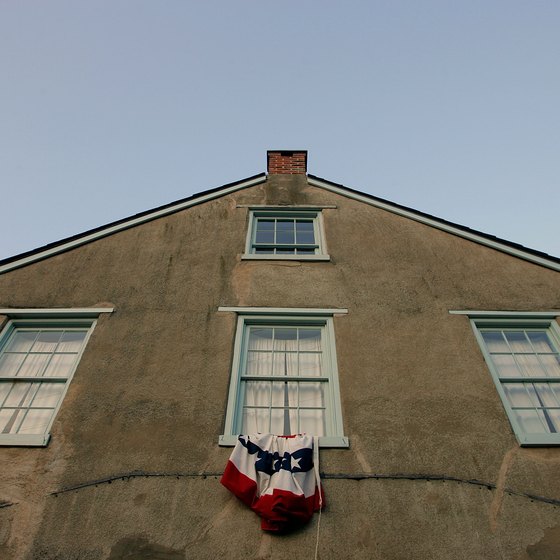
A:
{"x": 286, "y": 234}
{"x": 39, "y": 353}
{"x": 301, "y": 380}
{"x": 523, "y": 355}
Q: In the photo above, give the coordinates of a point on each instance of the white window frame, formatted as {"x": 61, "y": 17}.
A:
{"x": 78, "y": 318}
{"x": 542, "y": 321}
{"x": 296, "y": 212}
{"x": 290, "y": 317}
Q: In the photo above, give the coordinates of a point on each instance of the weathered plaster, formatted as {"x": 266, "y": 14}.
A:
{"x": 150, "y": 393}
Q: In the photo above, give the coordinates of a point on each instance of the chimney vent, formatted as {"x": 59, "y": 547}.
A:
{"x": 284, "y": 162}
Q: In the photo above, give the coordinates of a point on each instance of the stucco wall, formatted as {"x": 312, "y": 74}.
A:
{"x": 149, "y": 395}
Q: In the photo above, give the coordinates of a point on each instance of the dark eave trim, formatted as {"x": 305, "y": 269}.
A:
{"x": 515, "y": 249}
{"x": 88, "y": 236}
{"x": 68, "y": 243}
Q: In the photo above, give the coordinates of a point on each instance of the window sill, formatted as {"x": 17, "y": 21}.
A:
{"x": 539, "y": 440}
{"x": 252, "y": 257}
{"x": 25, "y": 440}
{"x": 327, "y": 441}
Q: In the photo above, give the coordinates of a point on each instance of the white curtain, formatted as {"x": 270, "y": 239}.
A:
{"x": 520, "y": 353}
{"x": 281, "y": 407}
{"x": 25, "y": 407}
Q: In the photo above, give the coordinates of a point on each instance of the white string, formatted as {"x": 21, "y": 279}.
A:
{"x": 318, "y": 481}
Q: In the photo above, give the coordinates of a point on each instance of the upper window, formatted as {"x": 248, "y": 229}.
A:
{"x": 284, "y": 379}
{"x": 286, "y": 234}
{"x": 524, "y": 360}
{"x": 37, "y": 360}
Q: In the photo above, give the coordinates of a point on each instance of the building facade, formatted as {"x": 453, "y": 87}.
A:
{"x": 422, "y": 353}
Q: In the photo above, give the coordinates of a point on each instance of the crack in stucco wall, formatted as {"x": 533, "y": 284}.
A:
{"x": 327, "y": 476}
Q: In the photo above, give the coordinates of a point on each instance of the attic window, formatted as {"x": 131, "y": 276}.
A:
{"x": 278, "y": 234}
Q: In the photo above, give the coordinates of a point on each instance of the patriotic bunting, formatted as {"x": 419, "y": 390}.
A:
{"x": 276, "y": 478}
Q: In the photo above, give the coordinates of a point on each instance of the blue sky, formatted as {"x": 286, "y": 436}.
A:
{"x": 112, "y": 108}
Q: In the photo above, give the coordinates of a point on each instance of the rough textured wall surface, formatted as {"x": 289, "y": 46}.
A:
{"x": 136, "y": 436}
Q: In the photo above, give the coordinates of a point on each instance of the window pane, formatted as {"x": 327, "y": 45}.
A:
{"x": 264, "y": 237}
{"x": 260, "y": 339}
{"x": 259, "y": 363}
{"x": 262, "y": 251}
{"x": 4, "y": 390}
{"x": 46, "y": 341}
{"x": 284, "y": 423}
{"x": 312, "y": 422}
{"x": 277, "y": 421}
{"x": 265, "y": 225}
{"x": 18, "y": 394}
{"x": 48, "y": 395}
{"x": 551, "y": 364}
{"x": 257, "y": 393}
{"x": 22, "y": 341}
{"x": 285, "y": 339}
{"x": 305, "y": 237}
{"x": 285, "y": 225}
{"x": 310, "y": 339}
{"x": 35, "y": 421}
{"x": 71, "y": 341}
{"x": 518, "y": 341}
{"x": 540, "y": 341}
{"x": 310, "y": 364}
{"x": 506, "y": 366}
{"x": 10, "y": 363}
{"x": 6, "y": 420}
{"x": 60, "y": 365}
{"x": 531, "y": 421}
{"x": 554, "y": 417}
{"x": 517, "y": 394}
{"x": 303, "y": 226}
{"x": 11, "y": 420}
{"x": 254, "y": 421}
{"x": 285, "y": 363}
{"x": 530, "y": 365}
{"x": 284, "y": 394}
{"x": 30, "y": 395}
{"x": 285, "y": 232}
{"x": 305, "y": 251}
{"x": 292, "y": 427}
{"x": 495, "y": 341}
{"x": 304, "y": 232}
{"x": 545, "y": 395}
{"x": 34, "y": 365}
{"x": 285, "y": 251}
{"x": 311, "y": 394}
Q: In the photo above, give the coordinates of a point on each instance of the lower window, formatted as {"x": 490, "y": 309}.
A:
{"x": 37, "y": 361}
{"x": 284, "y": 380}
{"x": 524, "y": 360}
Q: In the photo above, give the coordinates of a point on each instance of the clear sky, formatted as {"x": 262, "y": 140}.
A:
{"x": 108, "y": 108}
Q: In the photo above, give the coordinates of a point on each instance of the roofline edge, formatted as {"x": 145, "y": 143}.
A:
{"x": 120, "y": 225}
{"x": 435, "y": 223}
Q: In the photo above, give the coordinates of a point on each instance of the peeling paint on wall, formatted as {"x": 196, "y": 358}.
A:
{"x": 496, "y": 504}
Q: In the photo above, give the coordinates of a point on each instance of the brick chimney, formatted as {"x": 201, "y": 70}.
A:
{"x": 284, "y": 162}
